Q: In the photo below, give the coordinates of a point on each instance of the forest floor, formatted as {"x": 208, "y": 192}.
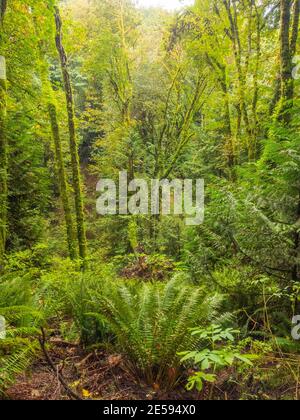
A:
{"x": 95, "y": 375}
{"x": 102, "y": 376}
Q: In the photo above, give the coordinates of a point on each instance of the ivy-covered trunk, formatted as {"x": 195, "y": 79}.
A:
{"x": 72, "y": 137}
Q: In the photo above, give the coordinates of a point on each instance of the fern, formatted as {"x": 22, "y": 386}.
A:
{"x": 17, "y": 362}
{"x": 20, "y": 345}
{"x": 151, "y": 323}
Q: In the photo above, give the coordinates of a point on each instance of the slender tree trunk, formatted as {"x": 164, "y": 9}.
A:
{"x": 295, "y": 27}
{"x": 276, "y": 95}
{"x": 221, "y": 75}
{"x": 285, "y": 62}
{"x": 255, "y": 77}
{"x": 62, "y": 179}
{"x": 3, "y": 164}
{"x": 286, "y": 54}
{"x": 3, "y": 144}
{"x": 48, "y": 92}
{"x": 3, "y": 5}
{"x": 237, "y": 49}
{"x": 288, "y": 43}
{"x": 227, "y": 120}
{"x": 81, "y": 233}
{"x": 293, "y": 50}
{"x": 294, "y": 39}
{"x": 297, "y": 244}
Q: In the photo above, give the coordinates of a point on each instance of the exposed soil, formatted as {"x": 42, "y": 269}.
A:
{"x": 95, "y": 375}
{"x": 103, "y": 376}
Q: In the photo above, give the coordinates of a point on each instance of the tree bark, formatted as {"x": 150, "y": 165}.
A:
{"x": 81, "y": 233}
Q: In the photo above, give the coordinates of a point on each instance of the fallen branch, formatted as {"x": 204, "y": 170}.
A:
{"x": 61, "y": 379}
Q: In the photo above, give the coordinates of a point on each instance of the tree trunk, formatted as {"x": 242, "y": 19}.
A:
{"x": 295, "y": 27}
{"x": 293, "y": 50}
{"x": 3, "y": 165}
{"x": 287, "y": 52}
{"x": 236, "y": 44}
{"x": 297, "y": 244}
{"x": 73, "y": 141}
{"x": 3, "y": 145}
{"x": 3, "y": 5}
{"x": 255, "y": 77}
{"x": 276, "y": 95}
{"x": 221, "y": 75}
{"x": 48, "y": 93}
{"x": 285, "y": 62}
{"x": 294, "y": 39}
{"x": 63, "y": 185}
{"x": 227, "y": 120}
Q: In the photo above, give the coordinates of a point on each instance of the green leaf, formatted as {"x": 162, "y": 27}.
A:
{"x": 205, "y": 364}
{"x": 188, "y": 356}
{"x": 244, "y": 359}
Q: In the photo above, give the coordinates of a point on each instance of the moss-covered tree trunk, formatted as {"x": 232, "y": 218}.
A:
{"x": 289, "y": 30}
{"x": 62, "y": 180}
{"x": 48, "y": 94}
{"x": 229, "y": 146}
{"x": 3, "y": 162}
{"x": 285, "y": 61}
{"x": 221, "y": 73}
{"x": 293, "y": 51}
{"x": 73, "y": 141}
{"x": 284, "y": 84}
{"x": 3, "y": 144}
{"x": 3, "y": 8}
{"x": 294, "y": 39}
{"x": 234, "y": 35}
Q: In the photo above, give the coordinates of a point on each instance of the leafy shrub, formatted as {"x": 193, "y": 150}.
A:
{"x": 15, "y": 292}
{"x": 23, "y": 261}
{"x": 213, "y": 354}
{"x": 65, "y": 294}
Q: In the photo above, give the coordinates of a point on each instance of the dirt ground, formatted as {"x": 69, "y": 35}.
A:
{"x": 94, "y": 375}
{"x": 98, "y": 375}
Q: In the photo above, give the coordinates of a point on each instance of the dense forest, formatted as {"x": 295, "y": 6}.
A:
{"x": 142, "y": 305}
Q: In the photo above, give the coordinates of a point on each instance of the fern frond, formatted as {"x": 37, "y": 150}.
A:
{"x": 151, "y": 322}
